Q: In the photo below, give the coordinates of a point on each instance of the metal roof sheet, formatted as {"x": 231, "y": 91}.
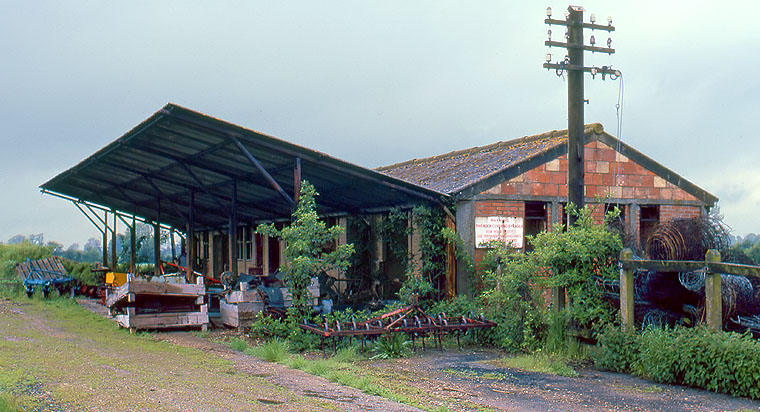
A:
{"x": 151, "y": 170}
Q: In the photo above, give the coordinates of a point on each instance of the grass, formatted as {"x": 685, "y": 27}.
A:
{"x": 348, "y": 367}
{"x": 11, "y": 403}
{"x": 237, "y": 344}
{"x": 95, "y": 361}
{"x": 276, "y": 350}
{"x": 538, "y": 362}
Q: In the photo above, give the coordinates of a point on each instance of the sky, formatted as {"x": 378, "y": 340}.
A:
{"x": 371, "y": 82}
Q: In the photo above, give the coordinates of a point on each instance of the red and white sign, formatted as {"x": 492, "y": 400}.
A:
{"x": 506, "y": 229}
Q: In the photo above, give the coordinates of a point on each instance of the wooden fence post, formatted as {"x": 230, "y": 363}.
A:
{"x": 713, "y": 294}
{"x": 626, "y": 290}
{"x": 558, "y": 299}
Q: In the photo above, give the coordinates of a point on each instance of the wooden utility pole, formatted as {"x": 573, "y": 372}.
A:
{"x": 574, "y": 67}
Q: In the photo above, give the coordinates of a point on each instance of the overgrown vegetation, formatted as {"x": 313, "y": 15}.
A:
{"x": 310, "y": 248}
{"x": 717, "y": 361}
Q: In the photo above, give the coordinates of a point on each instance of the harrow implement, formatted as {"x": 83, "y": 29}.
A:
{"x": 410, "y": 320}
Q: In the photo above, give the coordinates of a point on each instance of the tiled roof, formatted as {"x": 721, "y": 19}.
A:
{"x": 451, "y": 172}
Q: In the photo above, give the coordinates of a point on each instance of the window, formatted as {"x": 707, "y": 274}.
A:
{"x": 618, "y": 222}
{"x": 650, "y": 217}
{"x": 535, "y": 220}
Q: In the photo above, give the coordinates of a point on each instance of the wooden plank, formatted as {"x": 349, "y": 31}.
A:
{"x": 691, "y": 266}
{"x": 734, "y": 269}
{"x": 664, "y": 265}
{"x": 163, "y": 320}
{"x": 158, "y": 289}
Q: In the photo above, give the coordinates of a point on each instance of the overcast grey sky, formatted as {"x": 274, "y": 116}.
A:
{"x": 371, "y": 82}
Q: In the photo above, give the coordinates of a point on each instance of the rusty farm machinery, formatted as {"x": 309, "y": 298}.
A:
{"x": 410, "y": 320}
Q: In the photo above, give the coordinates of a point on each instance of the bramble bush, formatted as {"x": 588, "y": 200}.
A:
{"x": 717, "y": 361}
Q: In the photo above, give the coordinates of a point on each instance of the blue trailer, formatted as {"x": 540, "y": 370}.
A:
{"x": 44, "y": 274}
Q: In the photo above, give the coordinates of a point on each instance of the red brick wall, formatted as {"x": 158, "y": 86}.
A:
{"x": 499, "y": 208}
{"x": 607, "y": 173}
{"x": 670, "y": 212}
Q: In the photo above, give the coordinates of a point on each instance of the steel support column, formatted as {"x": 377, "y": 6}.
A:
{"x": 232, "y": 233}
{"x": 190, "y": 240}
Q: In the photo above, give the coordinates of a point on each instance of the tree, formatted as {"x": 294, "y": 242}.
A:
{"x": 308, "y": 248}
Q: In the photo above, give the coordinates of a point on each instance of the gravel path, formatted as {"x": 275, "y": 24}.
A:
{"x": 100, "y": 368}
{"x": 180, "y": 371}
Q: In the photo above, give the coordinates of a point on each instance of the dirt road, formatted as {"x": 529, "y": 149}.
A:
{"x": 49, "y": 356}
{"x": 53, "y": 357}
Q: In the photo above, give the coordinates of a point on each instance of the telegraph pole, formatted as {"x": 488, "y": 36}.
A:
{"x": 574, "y": 67}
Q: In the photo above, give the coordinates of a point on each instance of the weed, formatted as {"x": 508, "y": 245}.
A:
{"x": 202, "y": 334}
{"x": 237, "y": 344}
{"x": 392, "y": 346}
{"x": 538, "y": 362}
{"x": 276, "y": 350}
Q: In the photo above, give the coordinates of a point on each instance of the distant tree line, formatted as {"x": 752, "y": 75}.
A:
{"x": 93, "y": 249}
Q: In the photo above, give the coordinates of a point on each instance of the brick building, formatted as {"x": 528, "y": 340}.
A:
{"x": 212, "y": 182}
{"x": 511, "y": 189}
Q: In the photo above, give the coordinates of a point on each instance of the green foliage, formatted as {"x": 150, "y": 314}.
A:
{"x": 750, "y": 248}
{"x": 8, "y": 403}
{"x": 275, "y": 350}
{"x": 573, "y": 257}
{"x": 308, "y": 248}
{"x": 82, "y": 272}
{"x": 621, "y": 349}
{"x": 430, "y": 224}
{"x": 415, "y": 285}
{"x": 394, "y": 345}
{"x": 513, "y": 301}
{"x": 394, "y": 229}
{"x": 287, "y": 328}
{"x": 717, "y": 361}
{"x": 10, "y": 255}
{"x": 237, "y": 344}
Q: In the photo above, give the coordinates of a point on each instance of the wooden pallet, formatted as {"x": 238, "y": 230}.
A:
{"x": 147, "y": 305}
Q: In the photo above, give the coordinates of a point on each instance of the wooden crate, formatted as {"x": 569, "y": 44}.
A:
{"x": 148, "y": 305}
{"x": 239, "y": 315}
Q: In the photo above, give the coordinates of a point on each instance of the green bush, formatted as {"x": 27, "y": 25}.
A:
{"x": 717, "y": 361}
{"x": 514, "y": 302}
{"x": 620, "y": 349}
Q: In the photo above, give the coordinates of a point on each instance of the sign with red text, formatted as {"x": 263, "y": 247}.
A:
{"x": 505, "y": 229}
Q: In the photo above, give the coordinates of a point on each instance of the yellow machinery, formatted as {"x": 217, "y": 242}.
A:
{"x": 116, "y": 279}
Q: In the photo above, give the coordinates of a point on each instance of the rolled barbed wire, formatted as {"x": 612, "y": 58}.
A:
{"x": 692, "y": 281}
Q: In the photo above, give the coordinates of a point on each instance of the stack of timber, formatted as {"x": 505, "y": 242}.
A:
{"x": 147, "y": 305}
{"x": 240, "y": 307}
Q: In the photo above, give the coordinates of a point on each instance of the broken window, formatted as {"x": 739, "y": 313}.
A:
{"x": 649, "y": 218}
{"x": 535, "y": 221}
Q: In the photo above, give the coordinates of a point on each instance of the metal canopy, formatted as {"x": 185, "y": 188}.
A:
{"x": 152, "y": 170}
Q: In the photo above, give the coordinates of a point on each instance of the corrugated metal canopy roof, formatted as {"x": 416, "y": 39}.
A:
{"x": 151, "y": 171}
